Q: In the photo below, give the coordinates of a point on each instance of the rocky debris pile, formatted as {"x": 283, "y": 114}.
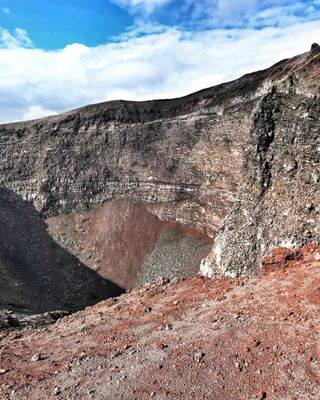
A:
{"x": 126, "y": 243}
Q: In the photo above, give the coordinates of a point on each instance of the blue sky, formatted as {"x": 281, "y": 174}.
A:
{"x": 53, "y": 24}
{"x": 57, "y": 55}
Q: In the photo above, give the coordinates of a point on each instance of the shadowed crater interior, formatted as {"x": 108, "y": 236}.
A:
{"x": 37, "y": 274}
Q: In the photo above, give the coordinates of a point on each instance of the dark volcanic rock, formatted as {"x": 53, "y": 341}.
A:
{"x": 315, "y": 48}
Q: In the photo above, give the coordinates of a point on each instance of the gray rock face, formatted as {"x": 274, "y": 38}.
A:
{"x": 177, "y": 157}
{"x": 280, "y": 190}
{"x": 78, "y": 162}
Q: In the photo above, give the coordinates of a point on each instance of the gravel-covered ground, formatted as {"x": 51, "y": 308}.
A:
{"x": 244, "y": 338}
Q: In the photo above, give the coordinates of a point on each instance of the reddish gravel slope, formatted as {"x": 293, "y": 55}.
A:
{"x": 245, "y": 338}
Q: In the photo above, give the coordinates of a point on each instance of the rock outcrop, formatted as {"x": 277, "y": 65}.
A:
{"x": 183, "y": 155}
{"x": 279, "y": 195}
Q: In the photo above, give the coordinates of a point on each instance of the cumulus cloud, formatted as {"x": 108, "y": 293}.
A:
{"x": 213, "y": 41}
{"x": 169, "y": 62}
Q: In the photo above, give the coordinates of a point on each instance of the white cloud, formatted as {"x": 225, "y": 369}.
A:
{"x": 144, "y": 6}
{"x": 166, "y": 63}
{"x": 37, "y": 112}
{"x": 248, "y": 13}
{"x": 18, "y": 39}
{"x": 208, "y": 14}
{"x": 6, "y": 10}
{"x": 234, "y": 8}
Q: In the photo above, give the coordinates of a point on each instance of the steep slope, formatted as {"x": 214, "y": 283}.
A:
{"x": 244, "y": 338}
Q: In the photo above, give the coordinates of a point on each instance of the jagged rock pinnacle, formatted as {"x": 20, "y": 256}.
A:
{"x": 315, "y": 48}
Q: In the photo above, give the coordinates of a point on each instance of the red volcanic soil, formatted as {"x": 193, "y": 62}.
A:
{"x": 241, "y": 338}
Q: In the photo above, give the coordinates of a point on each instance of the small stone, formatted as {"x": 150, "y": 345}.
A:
{"x": 168, "y": 327}
{"x": 116, "y": 354}
{"x": 309, "y": 207}
{"x": 199, "y": 357}
{"x": 35, "y": 357}
{"x": 113, "y": 369}
{"x": 3, "y": 371}
{"x": 147, "y": 309}
{"x": 56, "y": 391}
{"x": 38, "y": 357}
{"x": 152, "y": 394}
{"x": 162, "y": 281}
{"x": 162, "y": 346}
